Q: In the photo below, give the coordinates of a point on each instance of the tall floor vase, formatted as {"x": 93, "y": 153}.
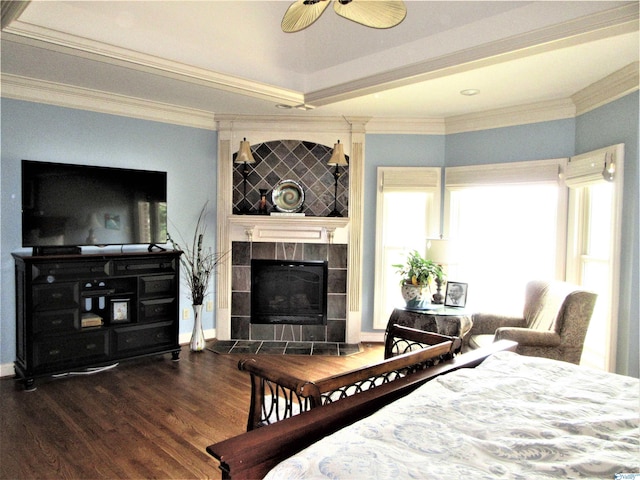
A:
{"x": 197, "y": 337}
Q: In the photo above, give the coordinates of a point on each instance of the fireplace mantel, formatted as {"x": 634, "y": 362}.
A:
{"x": 341, "y": 231}
{"x": 269, "y": 228}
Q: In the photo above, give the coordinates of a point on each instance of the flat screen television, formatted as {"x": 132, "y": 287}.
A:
{"x": 66, "y": 205}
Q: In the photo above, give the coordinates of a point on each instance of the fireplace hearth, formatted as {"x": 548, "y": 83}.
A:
{"x": 289, "y": 292}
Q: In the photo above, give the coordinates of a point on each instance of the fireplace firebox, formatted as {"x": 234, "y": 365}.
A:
{"x": 289, "y": 292}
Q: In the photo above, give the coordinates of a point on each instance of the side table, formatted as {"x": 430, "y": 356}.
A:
{"x": 455, "y": 322}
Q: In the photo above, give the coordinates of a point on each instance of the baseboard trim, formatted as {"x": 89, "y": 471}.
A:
{"x": 371, "y": 337}
{"x": 6, "y": 370}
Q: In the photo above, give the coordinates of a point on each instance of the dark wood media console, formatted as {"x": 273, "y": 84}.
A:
{"x": 75, "y": 312}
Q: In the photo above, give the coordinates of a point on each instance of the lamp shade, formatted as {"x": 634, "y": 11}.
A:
{"x": 244, "y": 154}
{"x": 438, "y": 250}
{"x": 337, "y": 157}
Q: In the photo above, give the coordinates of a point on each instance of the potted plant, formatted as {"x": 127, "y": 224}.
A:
{"x": 199, "y": 265}
{"x": 417, "y": 274}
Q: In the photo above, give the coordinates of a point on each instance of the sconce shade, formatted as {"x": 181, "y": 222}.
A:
{"x": 608, "y": 172}
{"x": 244, "y": 153}
{"x": 438, "y": 250}
{"x": 337, "y": 157}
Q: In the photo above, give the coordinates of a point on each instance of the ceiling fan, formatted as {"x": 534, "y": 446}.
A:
{"x": 371, "y": 13}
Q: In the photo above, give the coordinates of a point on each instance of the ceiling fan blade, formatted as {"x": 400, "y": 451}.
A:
{"x": 302, "y": 13}
{"x": 372, "y": 13}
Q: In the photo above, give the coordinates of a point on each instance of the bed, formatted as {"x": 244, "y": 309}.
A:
{"x": 509, "y": 417}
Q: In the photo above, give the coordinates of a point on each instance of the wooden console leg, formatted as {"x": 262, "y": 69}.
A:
{"x": 175, "y": 355}
{"x": 29, "y": 384}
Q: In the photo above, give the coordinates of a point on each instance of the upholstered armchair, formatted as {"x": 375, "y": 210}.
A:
{"x": 554, "y": 322}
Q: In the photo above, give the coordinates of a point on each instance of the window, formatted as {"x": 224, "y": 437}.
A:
{"x": 408, "y": 212}
{"x": 505, "y": 223}
{"x": 594, "y": 243}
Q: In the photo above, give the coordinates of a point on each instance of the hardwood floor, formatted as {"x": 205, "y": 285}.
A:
{"x": 146, "y": 418}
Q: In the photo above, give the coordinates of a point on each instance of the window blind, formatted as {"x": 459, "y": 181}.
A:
{"x": 409, "y": 178}
{"x": 586, "y": 169}
{"x": 538, "y": 171}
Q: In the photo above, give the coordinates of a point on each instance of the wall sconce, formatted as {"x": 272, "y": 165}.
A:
{"x": 338, "y": 159}
{"x": 246, "y": 157}
{"x": 438, "y": 252}
{"x": 608, "y": 172}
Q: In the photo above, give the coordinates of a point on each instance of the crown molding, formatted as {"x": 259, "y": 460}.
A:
{"x": 600, "y": 25}
{"x": 9, "y": 11}
{"x": 511, "y": 116}
{"x": 40, "y": 37}
{"x": 292, "y": 123}
{"x": 608, "y": 89}
{"x": 407, "y": 126}
{"x": 39, "y": 91}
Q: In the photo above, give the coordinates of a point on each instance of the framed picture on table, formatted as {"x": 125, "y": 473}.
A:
{"x": 456, "y": 295}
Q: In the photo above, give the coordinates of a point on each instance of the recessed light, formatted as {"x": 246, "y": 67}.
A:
{"x": 470, "y": 92}
{"x": 283, "y": 106}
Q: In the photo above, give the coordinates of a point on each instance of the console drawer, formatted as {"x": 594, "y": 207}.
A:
{"x": 49, "y": 272}
{"x": 56, "y": 296}
{"x": 158, "y": 264}
{"x": 157, "y": 285}
{"x": 72, "y": 350}
{"x": 56, "y": 321}
{"x": 158, "y": 310}
{"x": 154, "y": 336}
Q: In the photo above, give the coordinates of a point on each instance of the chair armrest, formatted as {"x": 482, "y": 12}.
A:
{"x": 528, "y": 337}
{"x": 487, "y": 323}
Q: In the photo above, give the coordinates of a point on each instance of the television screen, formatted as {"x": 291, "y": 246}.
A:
{"x": 73, "y": 205}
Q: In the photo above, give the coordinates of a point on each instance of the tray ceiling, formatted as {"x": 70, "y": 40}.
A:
{"x": 230, "y": 57}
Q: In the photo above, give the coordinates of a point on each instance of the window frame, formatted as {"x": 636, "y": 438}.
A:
{"x": 402, "y": 179}
{"x": 531, "y": 172}
{"x": 582, "y": 171}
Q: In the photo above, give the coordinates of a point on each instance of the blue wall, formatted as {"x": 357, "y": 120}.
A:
{"x": 48, "y": 133}
{"x": 536, "y": 141}
{"x": 617, "y": 122}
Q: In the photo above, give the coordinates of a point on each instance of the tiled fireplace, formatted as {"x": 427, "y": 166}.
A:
{"x": 311, "y": 237}
{"x": 241, "y": 326}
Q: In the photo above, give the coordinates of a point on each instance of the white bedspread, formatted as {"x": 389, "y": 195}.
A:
{"x": 513, "y": 417}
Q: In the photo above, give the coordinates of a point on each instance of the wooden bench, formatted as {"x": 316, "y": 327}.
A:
{"x": 252, "y": 454}
{"x": 276, "y": 395}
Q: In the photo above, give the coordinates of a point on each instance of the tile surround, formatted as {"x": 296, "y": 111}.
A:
{"x": 304, "y": 162}
{"x": 241, "y": 327}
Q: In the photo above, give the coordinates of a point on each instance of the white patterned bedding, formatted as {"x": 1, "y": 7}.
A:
{"x": 513, "y": 417}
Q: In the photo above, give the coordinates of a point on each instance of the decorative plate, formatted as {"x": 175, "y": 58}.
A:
{"x": 288, "y": 196}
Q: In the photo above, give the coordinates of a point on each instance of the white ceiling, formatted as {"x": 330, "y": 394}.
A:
{"x": 231, "y": 57}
